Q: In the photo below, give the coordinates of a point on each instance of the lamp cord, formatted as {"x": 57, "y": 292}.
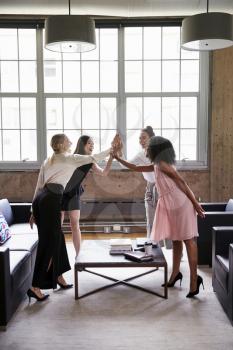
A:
{"x": 69, "y": 6}
{"x": 207, "y": 5}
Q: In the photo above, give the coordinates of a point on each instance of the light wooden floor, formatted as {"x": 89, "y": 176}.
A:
{"x": 68, "y": 236}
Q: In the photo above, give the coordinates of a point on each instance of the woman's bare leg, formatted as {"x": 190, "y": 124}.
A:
{"x": 191, "y": 247}
{"x": 74, "y": 216}
{"x": 177, "y": 247}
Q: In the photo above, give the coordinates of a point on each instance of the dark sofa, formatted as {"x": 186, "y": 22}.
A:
{"x": 215, "y": 215}
{"x": 223, "y": 267}
{"x": 17, "y": 258}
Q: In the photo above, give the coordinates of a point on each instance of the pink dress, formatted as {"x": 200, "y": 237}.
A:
{"x": 175, "y": 216}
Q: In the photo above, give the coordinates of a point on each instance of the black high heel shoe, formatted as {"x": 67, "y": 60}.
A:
{"x": 199, "y": 282}
{"x": 32, "y": 294}
{"x": 65, "y": 286}
{"x": 178, "y": 277}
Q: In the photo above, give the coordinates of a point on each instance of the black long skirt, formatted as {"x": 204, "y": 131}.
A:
{"x": 52, "y": 258}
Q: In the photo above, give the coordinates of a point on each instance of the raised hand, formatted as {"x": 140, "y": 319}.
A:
{"x": 117, "y": 145}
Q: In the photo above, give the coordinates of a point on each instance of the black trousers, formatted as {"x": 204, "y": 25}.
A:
{"x": 52, "y": 258}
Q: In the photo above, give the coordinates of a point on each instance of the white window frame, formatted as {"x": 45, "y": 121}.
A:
{"x": 121, "y": 95}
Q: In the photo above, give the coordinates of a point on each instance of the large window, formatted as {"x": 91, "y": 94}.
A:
{"x": 137, "y": 76}
{"x": 18, "y": 87}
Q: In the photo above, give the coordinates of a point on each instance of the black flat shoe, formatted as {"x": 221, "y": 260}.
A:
{"x": 65, "y": 286}
{"x": 199, "y": 282}
{"x": 32, "y": 294}
{"x": 178, "y": 277}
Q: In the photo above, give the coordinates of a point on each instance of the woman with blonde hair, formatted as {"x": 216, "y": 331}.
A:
{"x": 52, "y": 259}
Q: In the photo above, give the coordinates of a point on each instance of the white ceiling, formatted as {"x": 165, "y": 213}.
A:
{"x": 122, "y": 8}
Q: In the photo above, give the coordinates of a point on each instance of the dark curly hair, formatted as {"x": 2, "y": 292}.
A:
{"x": 82, "y": 141}
{"x": 161, "y": 149}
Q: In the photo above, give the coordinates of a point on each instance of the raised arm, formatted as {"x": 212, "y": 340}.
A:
{"x": 137, "y": 168}
{"x": 80, "y": 159}
{"x": 103, "y": 172}
{"x": 175, "y": 176}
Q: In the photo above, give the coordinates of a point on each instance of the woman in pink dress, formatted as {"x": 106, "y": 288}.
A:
{"x": 176, "y": 212}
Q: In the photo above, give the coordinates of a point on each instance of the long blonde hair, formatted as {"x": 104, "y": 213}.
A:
{"x": 57, "y": 144}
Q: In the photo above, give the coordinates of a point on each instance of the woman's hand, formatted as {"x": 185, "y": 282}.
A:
{"x": 117, "y": 145}
{"x": 31, "y": 221}
{"x": 200, "y": 211}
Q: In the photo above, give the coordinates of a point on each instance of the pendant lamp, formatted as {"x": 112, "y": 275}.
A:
{"x": 70, "y": 33}
{"x": 207, "y": 31}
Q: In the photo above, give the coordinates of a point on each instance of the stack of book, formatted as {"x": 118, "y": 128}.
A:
{"x": 120, "y": 246}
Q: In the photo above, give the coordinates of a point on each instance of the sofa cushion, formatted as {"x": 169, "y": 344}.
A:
{"x": 4, "y": 229}
{"x": 222, "y": 270}
{"x": 20, "y": 267}
{"x": 229, "y": 206}
{"x": 5, "y": 209}
{"x": 22, "y": 229}
{"x": 22, "y": 242}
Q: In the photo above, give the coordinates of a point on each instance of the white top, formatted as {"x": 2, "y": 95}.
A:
{"x": 141, "y": 159}
{"x": 63, "y": 165}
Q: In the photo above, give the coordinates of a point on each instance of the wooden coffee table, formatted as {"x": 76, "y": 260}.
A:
{"x": 95, "y": 254}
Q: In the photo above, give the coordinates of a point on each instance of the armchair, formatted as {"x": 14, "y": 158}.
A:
{"x": 222, "y": 277}
{"x": 215, "y": 215}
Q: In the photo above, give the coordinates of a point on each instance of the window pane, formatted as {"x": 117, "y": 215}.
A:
{"x": 28, "y": 113}
{"x": 108, "y": 44}
{"x": 152, "y": 43}
{"x": 170, "y": 112}
{"x": 28, "y": 76}
{"x": 95, "y": 135}
{"x": 27, "y": 44}
{"x": 73, "y": 136}
{"x": 11, "y": 145}
{"x": 71, "y": 56}
{"x": 72, "y": 113}
{"x": 152, "y": 112}
{"x": 188, "y": 144}
{"x": 52, "y": 76}
{"x": 189, "y": 75}
{"x": 133, "y": 43}
{"x": 152, "y": 76}
{"x": 90, "y": 76}
{"x": 108, "y": 76}
{"x": 188, "y": 112}
{"x": 171, "y": 42}
{"x": 133, "y": 146}
{"x": 106, "y": 138}
{"x": 93, "y": 54}
{"x": 54, "y": 113}
{"x": 28, "y": 145}
{"x": 133, "y": 76}
{"x": 0, "y": 145}
{"x": 191, "y": 55}
{"x": 9, "y": 76}
{"x": 8, "y": 44}
{"x": 108, "y": 113}
{"x": 134, "y": 113}
{"x": 71, "y": 76}
{"x": 10, "y": 113}
{"x": 90, "y": 113}
{"x": 173, "y": 136}
{"x": 171, "y": 75}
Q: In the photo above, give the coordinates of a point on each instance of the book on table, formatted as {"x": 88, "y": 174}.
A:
{"x": 138, "y": 256}
{"x": 120, "y": 246}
